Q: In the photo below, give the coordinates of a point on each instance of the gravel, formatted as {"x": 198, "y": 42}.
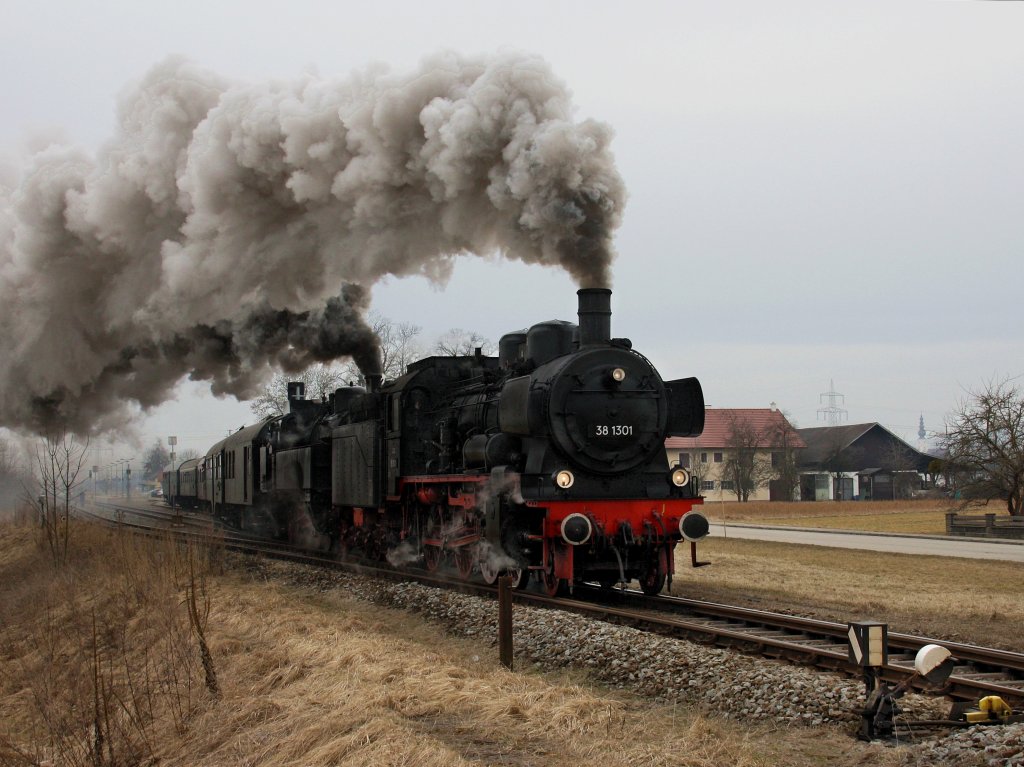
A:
{"x": 724, "y": 682}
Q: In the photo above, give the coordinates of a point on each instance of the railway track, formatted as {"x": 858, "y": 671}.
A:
{"x": 980, "y": 671}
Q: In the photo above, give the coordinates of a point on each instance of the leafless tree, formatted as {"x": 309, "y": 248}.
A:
{"x": 155, "y": 460}
{"x": 690, "y": 460}
{"x": 398, "y": 349}
{"x": 745, "y": 465}
{"x": 699, "y": 470}
{"x": 398, "y": 344}
{"x": 320, "y": 381}
{"x": 59, "y": 458}
{"x": 461, "y": 343}
{"x": 781, "y": 438}
{"x": 11, "y": 475}
{"x": 985, "y": 442}
{"x": 838, "y": 459}
{"x": 900, "y": 462}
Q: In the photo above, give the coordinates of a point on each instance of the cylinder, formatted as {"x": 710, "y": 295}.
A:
{"x": 595, "y": 314}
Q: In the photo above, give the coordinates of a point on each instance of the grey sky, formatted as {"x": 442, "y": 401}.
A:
{"x": 816, "y": 191}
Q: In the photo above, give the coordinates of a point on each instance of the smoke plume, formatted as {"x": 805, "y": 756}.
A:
{"x": 229, "y": 228}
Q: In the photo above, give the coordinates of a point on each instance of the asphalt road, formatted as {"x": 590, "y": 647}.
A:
{"x": 968, "y": 548}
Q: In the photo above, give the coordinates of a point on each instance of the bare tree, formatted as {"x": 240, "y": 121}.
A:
{"x": 398, "y": 349}
{"x": 155, "y": 460}
{"x": 690, "y": 460}
{"x": 985, "y": 442}
{"x": 462, "y": 343}
{"x": 398, "y": 344}
{"x": 781, "y": 437}
{"x": 699, "y": 470}
{"x": 320, "y": 381}
{"x": 11, "y": 475}
{"x": 745, "y": 466}
{"x": 905, "y": 480}
{"x": 838, "y": 459}
{"x": 59, "y": 458}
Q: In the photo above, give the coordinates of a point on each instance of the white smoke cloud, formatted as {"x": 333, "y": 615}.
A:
{"x": 229, "y": 228}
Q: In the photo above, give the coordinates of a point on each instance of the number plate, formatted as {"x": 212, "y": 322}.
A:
{"x": 612, "y": 430}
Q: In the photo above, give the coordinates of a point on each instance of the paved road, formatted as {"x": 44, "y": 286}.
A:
{"x": 969, "y": 548}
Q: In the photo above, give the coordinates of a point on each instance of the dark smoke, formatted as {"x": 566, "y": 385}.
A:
{"x": 230, "y": 229}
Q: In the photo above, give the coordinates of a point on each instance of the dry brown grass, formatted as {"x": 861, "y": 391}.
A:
{"x": 95, "y": 652}
{"x": 918, "y": 516}
{"x": 733, "y": 511}
{"x": 957, "y": 599}
{"x": 321, "y": 679}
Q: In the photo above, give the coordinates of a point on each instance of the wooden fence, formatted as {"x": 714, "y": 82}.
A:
{"x": 984, "y": 525}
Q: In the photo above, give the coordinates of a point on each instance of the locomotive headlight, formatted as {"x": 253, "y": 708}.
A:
{"x": 693, "y": 526}
{"x": 680, "y": 477}
{"x": 564, "y": 479}
{"x": 618, "y": 375}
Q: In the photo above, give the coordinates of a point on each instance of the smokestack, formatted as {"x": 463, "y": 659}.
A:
{"x": 373, "y": 382}
{"x": 595, "y": 313}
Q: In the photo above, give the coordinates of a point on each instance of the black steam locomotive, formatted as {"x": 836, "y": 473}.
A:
{"x": 547, "y": 459}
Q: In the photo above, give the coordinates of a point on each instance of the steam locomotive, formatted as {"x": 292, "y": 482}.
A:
{"x": 547, "y": 460}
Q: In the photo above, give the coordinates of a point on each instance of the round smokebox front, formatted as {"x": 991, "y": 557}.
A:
{"x": 607, "y": 410}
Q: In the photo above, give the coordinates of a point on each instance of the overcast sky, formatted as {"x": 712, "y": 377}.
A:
{"x": 816, "y": 191}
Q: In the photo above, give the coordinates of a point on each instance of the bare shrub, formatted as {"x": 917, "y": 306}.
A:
{"x": 99, "y": 649}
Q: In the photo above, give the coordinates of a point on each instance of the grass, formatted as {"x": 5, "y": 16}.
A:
{"x": 310, "y": 678}
{"x": 99, "y": 653}
{"x": 323, "y": 680}
{"x": 975, "y": 601}
{"x": 917, "y": 516}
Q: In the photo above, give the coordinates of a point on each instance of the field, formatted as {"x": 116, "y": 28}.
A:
{"x": 919, "y": 516}
{"x": 963, "y": 600}
{"x": 934, "y": 596}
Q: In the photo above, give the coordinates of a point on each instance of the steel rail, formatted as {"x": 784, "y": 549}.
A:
{"x": 804, "y": 641}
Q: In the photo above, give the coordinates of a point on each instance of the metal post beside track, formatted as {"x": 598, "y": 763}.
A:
{"x": 505, "y": 621}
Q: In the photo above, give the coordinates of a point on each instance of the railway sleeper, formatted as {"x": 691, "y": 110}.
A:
{"x": 991, "y": 676}
{"x": 810, "y": 642}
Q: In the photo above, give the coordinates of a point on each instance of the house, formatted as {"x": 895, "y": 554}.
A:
{"x": 749, "y": 452}
{"x": 864, "y": 460}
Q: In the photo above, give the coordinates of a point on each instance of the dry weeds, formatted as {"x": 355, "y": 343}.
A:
{"x": 321, "y": 679}
{"x": 95, "y": 651}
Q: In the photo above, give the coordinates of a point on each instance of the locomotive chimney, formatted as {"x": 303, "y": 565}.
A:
{"x": 595, "y": 313}
{"x": 373, "y": 381}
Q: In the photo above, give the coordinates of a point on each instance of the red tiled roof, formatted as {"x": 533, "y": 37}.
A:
{"x": 717, "y": 427}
